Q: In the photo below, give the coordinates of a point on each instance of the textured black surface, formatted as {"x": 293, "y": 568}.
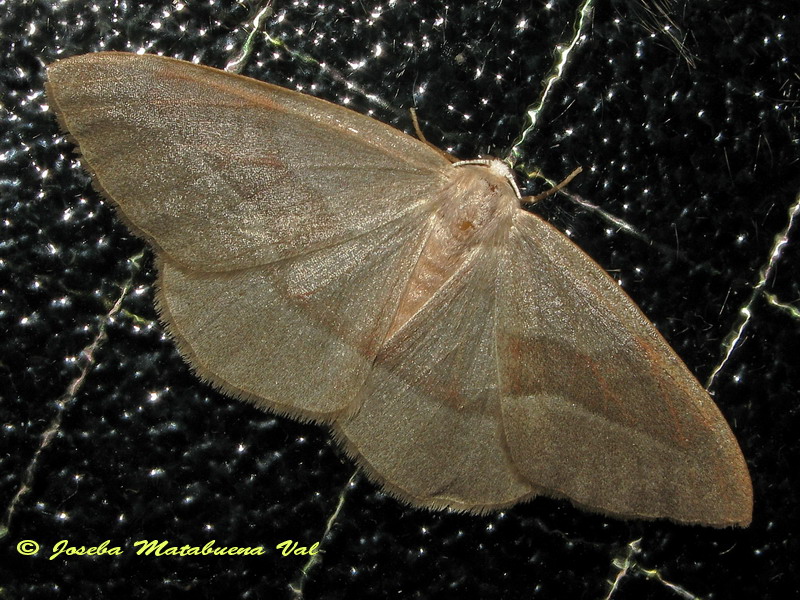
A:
{"x": 701, "y": 161}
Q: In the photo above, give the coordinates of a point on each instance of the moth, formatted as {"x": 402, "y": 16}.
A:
{"x": 327, "y": 267}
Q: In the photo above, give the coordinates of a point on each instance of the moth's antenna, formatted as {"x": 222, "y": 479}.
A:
{"x": 552, "y": 190}
{"x": 421, "y": 136}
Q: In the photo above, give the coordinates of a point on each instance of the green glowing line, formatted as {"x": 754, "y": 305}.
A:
{"x": 788, "y": 308}
{"x": 297, "y": 587}
{"x": 732, "y": 340}
{"x": 556, "y": 73}
{"x": 237, "y": 64}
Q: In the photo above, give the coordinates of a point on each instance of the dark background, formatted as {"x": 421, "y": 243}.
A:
{"x": 106, "y": 435}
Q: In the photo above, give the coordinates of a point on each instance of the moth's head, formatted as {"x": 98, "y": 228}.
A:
{"x": 500, "y": 169}
{"x": 495, "y": 171}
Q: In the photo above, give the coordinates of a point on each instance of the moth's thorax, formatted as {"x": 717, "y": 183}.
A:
{"x": 477, "y": 201}
{"x": 473, "y": 212}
